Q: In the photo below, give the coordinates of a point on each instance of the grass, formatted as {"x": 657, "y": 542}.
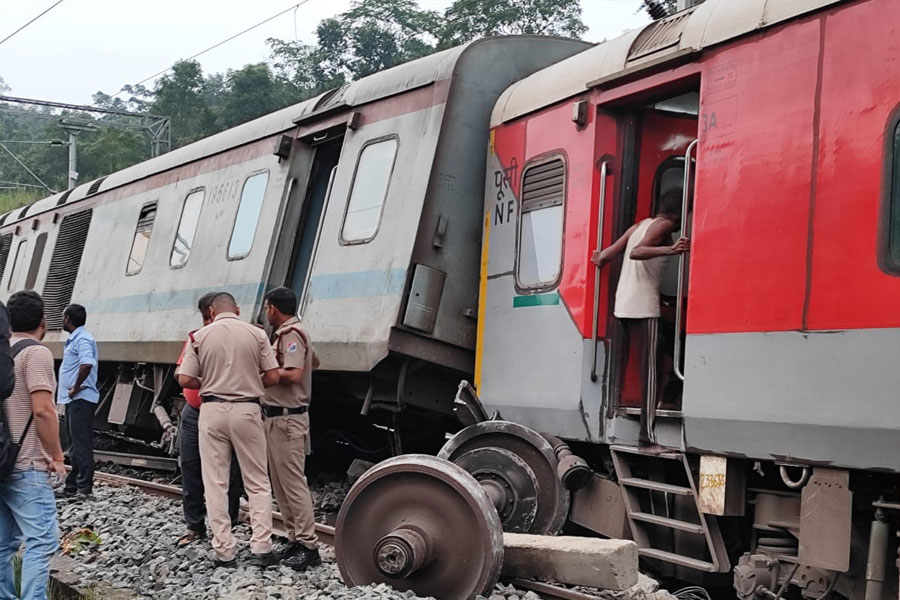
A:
{"x": 54, "y": 591}
{"x": 12, "y": 199}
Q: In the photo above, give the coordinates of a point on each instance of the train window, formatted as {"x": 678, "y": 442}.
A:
{"x": 369, "y": 191}
{"x": 17, "y": 261}
{"x": 247, "y": 215}
{"x": 36, "y": 256}
{"x": 187, "y": 228}
{"x": 541, "y": 224}
{"x": 141, "y": 241}
{"x": 894, "y": 202}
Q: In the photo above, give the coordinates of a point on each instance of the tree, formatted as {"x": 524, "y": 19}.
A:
{"x": 372, "y": 36}
{"x": 251, "y": 92}
{"x": 467, "y": 20}
{"x": 179, "y": 95}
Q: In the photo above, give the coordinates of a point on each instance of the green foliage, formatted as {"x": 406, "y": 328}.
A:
{"x": 471, "y": 19}
{"x": 371, "y": 36}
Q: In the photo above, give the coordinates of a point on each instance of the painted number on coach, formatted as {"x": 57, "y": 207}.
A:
{"x": 505, "y": 207}
{"x": 712, "y": 480}
{"x": 222, "y": 194}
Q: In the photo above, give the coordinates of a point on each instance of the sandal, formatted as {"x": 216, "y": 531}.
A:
{"x": 190, "y": 537}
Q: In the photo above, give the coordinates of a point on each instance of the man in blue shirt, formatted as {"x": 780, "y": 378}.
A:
{"x": 78, "y": 392}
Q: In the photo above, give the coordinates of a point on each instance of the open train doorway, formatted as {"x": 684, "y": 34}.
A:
{"x": 325, "y": 161}
{"x": 647, "y": 357}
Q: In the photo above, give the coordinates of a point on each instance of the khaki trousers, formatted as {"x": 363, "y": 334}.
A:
{"x": 238, "y": 425}
{"x": 286, "y": 439}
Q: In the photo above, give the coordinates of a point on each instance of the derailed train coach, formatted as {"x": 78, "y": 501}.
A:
{"x": 364, "y": 200}
{"x": 777, "y": 123}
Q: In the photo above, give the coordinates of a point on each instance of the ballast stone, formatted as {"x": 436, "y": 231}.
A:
{"x": 593, "y": 562}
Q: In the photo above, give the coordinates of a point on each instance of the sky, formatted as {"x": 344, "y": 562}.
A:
{"x": 84, "y": 46}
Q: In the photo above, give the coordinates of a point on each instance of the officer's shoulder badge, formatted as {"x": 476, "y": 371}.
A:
{"x": 292, "y": 347}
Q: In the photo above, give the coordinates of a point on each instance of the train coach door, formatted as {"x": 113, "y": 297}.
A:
{"x": 325, "y": 160}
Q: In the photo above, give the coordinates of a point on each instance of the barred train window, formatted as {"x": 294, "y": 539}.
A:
{"x": 187, "y": 228}
{"x": 248, "y": 215}
{"x": 17, "y": 261}
{"x": 36, "y": 256}
{"x": 369, "y": 191}
{"x": 141, "y": 241}
{"x": 5, "y": 243}
{"x": 541, "y": 224}
{"x": 894, "y": 225}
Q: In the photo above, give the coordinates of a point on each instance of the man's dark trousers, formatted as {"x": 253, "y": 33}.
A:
{"x": 192, "y": 476}
{"x": 80, "y": 425}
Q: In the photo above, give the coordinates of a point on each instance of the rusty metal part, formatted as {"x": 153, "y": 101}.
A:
{"x": 156, "y": 463}
{"x": 573, "y": 471}
{"x": 508, "y": 481}
{"x": 535, "y": 451}
{"x": 876, "y": 564}
{"x": 755, "y": 572}
{"x": 826, "y": 512}
{"x": 551, "y": 592}
{"x": 408, "y": 521}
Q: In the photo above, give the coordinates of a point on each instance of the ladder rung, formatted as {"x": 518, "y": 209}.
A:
{"x": 656, "y": 486}
{"x": 667, "y": 522}
{"x": 678, "y": 559}
{"x": 642, "y": 452}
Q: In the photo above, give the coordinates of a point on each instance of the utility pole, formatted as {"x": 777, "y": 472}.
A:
{"x": 73, "y": 129}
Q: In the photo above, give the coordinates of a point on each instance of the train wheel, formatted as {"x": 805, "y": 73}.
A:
{"x": 420, "y": 523}
{"x": 517, "y": 467}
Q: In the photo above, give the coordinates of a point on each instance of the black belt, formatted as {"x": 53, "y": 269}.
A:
{"x": 280, "y": 411}
{"x": 205, "y": 399}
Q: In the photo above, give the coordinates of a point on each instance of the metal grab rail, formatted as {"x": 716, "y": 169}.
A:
{"x": 679, "y": 300}
{"x": 604, "y": 168}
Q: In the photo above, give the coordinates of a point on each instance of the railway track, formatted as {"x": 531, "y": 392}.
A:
{"x": 326, "y": 533}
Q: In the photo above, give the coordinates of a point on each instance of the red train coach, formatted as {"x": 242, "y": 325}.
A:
{"x": 780, "y": 460}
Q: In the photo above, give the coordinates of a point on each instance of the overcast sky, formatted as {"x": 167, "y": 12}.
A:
{"x": 82, "y": 46}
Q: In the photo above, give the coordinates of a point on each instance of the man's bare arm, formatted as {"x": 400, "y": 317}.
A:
{"x": 46, "y": 423}
{"x": 655, "y": 241}
{"x": 601, "y": 257}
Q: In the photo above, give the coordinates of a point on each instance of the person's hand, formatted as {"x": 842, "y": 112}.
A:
{"x": 681, "y": 246}
{"x": 74, "y": 390}
{"x": 58, "y": 467}
{"x": 598, "y": 258}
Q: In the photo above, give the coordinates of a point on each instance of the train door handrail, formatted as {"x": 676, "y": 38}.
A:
{"x": 679, "y": 300}
{"x": 604, "y": 168}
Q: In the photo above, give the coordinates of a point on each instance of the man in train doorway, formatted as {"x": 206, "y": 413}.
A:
{"x": 287, "y": 429}
{"x": 646, "y": 246}
{"x": 231, "y": 362}
{"x": 77, "y": 391}
{"x": 191, "y": 471}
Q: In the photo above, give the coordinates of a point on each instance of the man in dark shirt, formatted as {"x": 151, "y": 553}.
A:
{"x": 7, "y": 373}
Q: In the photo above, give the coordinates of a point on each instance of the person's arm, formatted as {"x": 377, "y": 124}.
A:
{"x": 654, "y": 243}
{"x": 188, "y": 372}
{"x": 601, "y": 257}
{"x": 40, "y": 382}
{"x": 86, "y": 362}
{"x": 7, "y": 366}
{"x": 83, "y": 372}
{"x": 293, "y": 352}
{"x": 270, "y": 377}
{"x": 46, "y": 423}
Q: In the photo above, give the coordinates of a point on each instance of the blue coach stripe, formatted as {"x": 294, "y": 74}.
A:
{"x": 246, "y": 294}
{"x": 359, "y": 284}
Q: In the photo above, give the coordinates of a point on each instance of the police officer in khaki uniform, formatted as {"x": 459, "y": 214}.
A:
{"x": 287, "y": 428}
{"x": 231, "y": 363}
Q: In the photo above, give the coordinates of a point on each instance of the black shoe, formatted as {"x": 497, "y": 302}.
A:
{"x": 84, "y": 496}
{"x": 225, "y": 564}
{"x": 263, "y": 561}
{"x": 289, "y": 549}
{"x": 304, "y": 559}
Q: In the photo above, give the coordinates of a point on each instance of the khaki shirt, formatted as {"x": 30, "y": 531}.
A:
{"x": 293, "y": 352}
{"x": 227, "y": 356}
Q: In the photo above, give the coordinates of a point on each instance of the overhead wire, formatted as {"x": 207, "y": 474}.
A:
{"x": 216, "y": 45}
{"x": 54, "y": 5}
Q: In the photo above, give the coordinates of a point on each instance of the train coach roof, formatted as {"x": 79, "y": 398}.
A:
{"x": 709, "y": 24}
{"x": 408, "y": 76}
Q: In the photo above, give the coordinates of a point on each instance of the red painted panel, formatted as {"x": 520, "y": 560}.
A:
{"x": 860, "y": 88}
{"x": 751, "y": 210}
{"x": 662, "y": 136}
